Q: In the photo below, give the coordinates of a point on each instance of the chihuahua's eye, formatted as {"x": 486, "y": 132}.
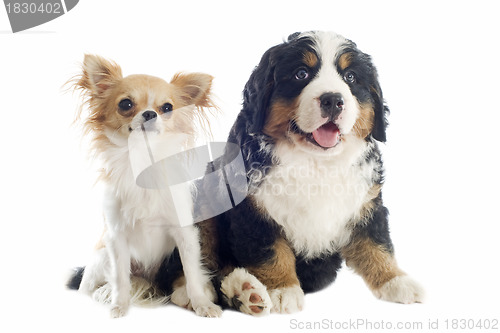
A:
{"x": 125, "y": 104}
{"x": 167, "y": 107}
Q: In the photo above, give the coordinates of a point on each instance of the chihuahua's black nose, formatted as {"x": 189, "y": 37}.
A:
{"x": 149, "y": 115}
{"x": 331, "y": 105}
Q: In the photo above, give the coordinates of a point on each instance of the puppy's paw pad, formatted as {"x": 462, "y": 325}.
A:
{"x": 287, "y": 299}
{"x": 245, "y": 292}
{"x": 401, "y": 289}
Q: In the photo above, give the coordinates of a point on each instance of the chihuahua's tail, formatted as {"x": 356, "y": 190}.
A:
{"x": 75, "y": 278}
{"x": 142, "y": 293}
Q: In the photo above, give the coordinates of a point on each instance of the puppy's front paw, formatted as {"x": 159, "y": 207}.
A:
{"x": 287, "y": 299}
{"x": 246, "y": 293}
{"x": 401, "y": 289}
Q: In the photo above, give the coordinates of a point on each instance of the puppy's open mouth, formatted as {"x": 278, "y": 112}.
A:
{"x": 326, "y": 136}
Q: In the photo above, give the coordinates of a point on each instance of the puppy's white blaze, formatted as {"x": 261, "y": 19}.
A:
{"x": 328, "y": 47}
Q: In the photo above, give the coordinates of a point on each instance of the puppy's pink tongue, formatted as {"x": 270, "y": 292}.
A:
{"x": 327, "y": 136}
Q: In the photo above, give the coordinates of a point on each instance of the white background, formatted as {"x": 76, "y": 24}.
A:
{"x": 439, "y": 70}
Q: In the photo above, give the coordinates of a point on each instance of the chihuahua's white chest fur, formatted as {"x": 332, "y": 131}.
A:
{"x": 147, "y": 217}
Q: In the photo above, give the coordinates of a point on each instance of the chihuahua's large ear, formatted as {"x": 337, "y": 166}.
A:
{"x": 194, "y": 88}
{"x": 98, "y": 75}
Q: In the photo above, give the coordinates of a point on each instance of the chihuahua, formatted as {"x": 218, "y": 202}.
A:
{"x": 142, "y": 225}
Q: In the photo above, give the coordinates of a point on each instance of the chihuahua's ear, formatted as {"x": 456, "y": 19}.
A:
{"x": 99, "y": 75}
{"x": 194, "y": 88}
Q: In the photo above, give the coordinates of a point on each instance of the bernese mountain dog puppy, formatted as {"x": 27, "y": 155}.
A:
{"x": 313, "y": 115}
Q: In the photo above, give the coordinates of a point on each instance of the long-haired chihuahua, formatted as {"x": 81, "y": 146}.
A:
{"x": 143, "y": 226}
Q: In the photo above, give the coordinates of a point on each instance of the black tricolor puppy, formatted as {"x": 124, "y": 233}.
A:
{"x": 312, "y": 114}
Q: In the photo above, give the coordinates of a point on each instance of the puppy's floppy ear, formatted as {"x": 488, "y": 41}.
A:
{"x": 381, "y": 110}
{"x": 194, "y": 88}
{"x": 98, "y": 75}
{"x": 293, "y": 36}
{"x": 258, "y": 91}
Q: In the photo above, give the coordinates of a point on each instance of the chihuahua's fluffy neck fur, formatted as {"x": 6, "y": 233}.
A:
{"x": 142, "y": 226}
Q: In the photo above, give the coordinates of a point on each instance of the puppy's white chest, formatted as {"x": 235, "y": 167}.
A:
{"x": 316, "y": 203}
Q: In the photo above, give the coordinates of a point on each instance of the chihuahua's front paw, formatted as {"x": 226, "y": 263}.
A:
{"x": 207, "y": 309}
{"x": 118, "y": 311}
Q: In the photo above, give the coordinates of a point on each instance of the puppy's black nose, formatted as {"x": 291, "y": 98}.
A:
{"x": 331, "y": 105}
{"x": 148, "y": 115}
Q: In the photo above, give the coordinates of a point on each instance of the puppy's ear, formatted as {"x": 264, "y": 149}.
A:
{"x": 98, "y": 75}
{"x": 293, "y": 36}
{"x": 258, "y": 91}
{"x": 194, "y": 88}
{"x": 381, "y": 111}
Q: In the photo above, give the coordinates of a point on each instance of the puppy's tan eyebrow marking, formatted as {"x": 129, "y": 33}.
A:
{"x": 310, "y": 59}
{"x": 345, "y": 60}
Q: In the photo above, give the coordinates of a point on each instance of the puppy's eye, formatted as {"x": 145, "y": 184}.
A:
{"x": 167, "y": 107}
{"x": 301, "y": 74}
{"x": 125, "y": 104}
{"x": 349, "y": 77}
